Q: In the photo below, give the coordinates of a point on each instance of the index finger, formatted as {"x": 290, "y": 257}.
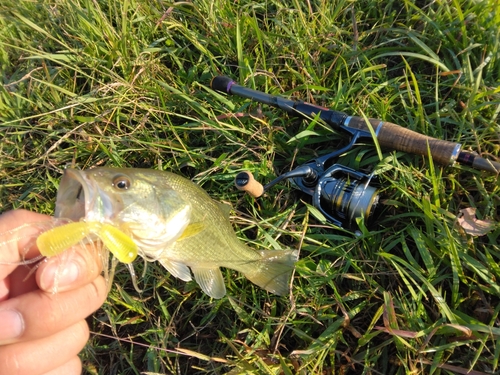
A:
{"x": 18, "y": 231}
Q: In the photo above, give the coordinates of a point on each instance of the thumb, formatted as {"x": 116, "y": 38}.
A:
{"x": 71, "y": 269}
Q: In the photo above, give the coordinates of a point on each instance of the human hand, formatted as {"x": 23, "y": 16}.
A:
{"x": 42, "y": 332}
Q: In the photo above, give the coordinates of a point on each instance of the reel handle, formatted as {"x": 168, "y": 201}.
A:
{"x": 245, "y": 181}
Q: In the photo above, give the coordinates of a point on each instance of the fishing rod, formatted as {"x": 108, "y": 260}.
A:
{"x": 340, "y": 193}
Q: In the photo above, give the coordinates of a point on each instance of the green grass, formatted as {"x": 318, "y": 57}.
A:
{"x": 126, "y": 83}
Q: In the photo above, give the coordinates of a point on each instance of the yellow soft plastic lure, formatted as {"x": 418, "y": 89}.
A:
{"x": 59, "y": 239}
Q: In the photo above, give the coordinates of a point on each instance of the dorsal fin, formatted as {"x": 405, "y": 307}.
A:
{"x": 225, "y": 208}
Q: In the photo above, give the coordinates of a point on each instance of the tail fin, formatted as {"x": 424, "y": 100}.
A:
{"x": 273, "y": 271}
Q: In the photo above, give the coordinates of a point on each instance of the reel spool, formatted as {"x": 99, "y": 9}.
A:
{"x": 343, "y": 195}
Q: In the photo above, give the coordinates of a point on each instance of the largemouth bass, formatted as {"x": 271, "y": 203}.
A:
{"x": 171, "y": 220}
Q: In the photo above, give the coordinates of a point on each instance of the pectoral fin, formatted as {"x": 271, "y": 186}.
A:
{"x": 177, "y": 269}
{"x": 210, "y": 281}
{"x": 191, "y": 230}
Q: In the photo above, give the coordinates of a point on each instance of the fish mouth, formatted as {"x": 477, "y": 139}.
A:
{"x": 76, "y": 195}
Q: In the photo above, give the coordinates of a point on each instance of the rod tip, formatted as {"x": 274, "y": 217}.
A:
{"x": 246, "y": 182}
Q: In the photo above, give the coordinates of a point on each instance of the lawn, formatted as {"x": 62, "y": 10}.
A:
{"x": 126, "y": 83}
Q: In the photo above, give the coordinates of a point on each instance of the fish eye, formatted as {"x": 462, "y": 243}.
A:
{"x": 121, "y": 182}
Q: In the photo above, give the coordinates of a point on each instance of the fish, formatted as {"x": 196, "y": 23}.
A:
{"x": 162, "y": 216}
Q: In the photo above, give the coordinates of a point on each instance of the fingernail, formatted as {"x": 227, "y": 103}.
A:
{"x": 11, "y": 325}
{"x": 56, "y": 276}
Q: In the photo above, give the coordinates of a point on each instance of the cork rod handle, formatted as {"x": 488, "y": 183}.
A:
{"x": 395, "y": 137}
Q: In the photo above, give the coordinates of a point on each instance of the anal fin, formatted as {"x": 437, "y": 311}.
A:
{"x": 210, "y": 281}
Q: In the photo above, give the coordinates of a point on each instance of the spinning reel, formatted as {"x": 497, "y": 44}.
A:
{"x": 340, "y": 193}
